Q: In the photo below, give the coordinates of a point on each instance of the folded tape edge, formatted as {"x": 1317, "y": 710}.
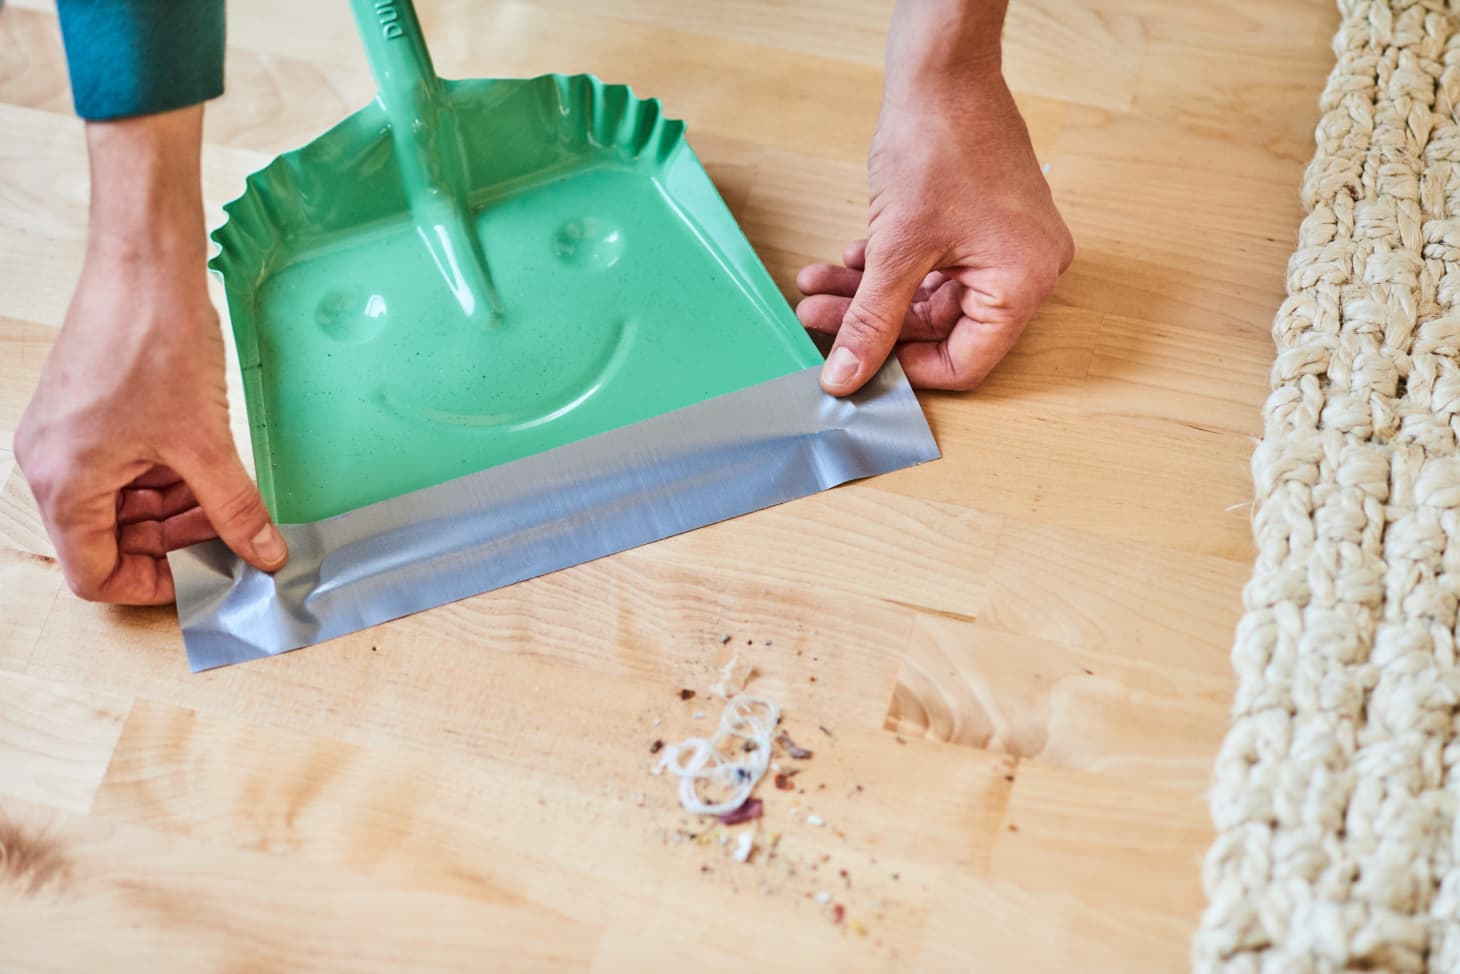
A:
{"x": 737, "y": 453}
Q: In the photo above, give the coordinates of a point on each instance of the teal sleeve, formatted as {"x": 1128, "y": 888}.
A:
{"x": 137, "y": 57}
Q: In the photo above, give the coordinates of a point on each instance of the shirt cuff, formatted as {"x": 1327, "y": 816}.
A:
{"x": 139, "y": 57}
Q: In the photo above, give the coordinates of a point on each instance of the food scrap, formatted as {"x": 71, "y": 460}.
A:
{"x": 734, "y": 675}
{"x": 795, "y": 750}
{"x": 752, "y": 809}
{"x": 718, "y": 775}
{"x": 719, "y": 761}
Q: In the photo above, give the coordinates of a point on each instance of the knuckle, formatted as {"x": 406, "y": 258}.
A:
{"x": 862, "y": 327}
{"x": 895, "y": 250}
{"x": 40, "y": 476}
{"x": 961, "y": 376}
{"x": 241, "y": 507}
{"x": 87, "y": 589}
{"x": 1049, "y": 275}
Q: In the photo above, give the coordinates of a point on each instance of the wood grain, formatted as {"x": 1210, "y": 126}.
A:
{"x": 146, "y": 901}
{"x": 1011, "y": 664}
{"x": 56, "y": 740}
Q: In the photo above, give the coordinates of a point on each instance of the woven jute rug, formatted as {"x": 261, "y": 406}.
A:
{"x": 1336, "y": 791}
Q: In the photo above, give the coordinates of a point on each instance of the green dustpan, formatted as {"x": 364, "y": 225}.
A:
{"x": 464, "y": 273}
{"x": 490, "y": 329}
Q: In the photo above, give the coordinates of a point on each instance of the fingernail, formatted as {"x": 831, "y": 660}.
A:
{"x": 840, "y": 366}
{"x": 268, "y": 544}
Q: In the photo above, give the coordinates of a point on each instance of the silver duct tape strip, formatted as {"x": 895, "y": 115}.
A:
{"x": 718, "y": 459}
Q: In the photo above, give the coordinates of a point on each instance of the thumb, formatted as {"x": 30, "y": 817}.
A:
{"x": 873, "y": 322}
{"x": 233, "y": 506}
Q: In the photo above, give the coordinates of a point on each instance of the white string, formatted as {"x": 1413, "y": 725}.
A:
{"x": 722, "y": 761}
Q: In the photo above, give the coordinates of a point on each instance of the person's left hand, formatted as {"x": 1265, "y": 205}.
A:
{"x": 964, "y": 243}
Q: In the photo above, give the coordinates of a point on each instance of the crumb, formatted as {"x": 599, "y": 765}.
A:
{"x": 686, "y": 694}
{"x": 898, "y": 738}
{"x": 822, "y": 728}
{"x": 752, "y": 808}
{"x": 1088, "y": 671}
{"x": 698, "y": 715}
{"x": 823, "y": 898}
{"x": 748, "y": 746}
{"x": 846, "y": 878}
{"x": 656, "y": 721}
{"x": 374, "y": 649}
{"x": 704, "y": 869}
{"x": 1013, "y": 827}
{"x": 657, "y": 746}
{"x": 783, "y": 782}
{"x": 896, "y": 876}
{"x": 725, "y": 638}
{"x": 811, "y": 678}
{"x": 796, "y": 751}
{"x": 769, "y": 643}
{"x": 838, "y": 913}
{"x": 815, "y": 820}
{"x": 1008, "y": 777}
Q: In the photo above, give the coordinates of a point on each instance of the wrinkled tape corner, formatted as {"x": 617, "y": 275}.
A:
{"x": 714, "y": 460}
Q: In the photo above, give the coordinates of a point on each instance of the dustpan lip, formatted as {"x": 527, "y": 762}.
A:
{"x": 707, "y": 462}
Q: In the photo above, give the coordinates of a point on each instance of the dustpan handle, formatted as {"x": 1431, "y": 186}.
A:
{"x": 408, "y": 84}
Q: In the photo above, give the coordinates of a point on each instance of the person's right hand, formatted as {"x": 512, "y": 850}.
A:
{"x": 126, "y": 443}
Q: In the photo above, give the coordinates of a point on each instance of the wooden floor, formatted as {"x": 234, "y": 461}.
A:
{"x": 1019, "y": 652}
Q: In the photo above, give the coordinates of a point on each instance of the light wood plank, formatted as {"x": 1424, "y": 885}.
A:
{"x": 1057, "y": 704}
{"x": 1165, "y": 485}
{"x": 55, "y": 740}
{"x": 1110, "y": 843}
{"x": 23, "y": 348}
{"x": 149, "y": 902}
{"x": 1165, "y": 607}
{"x": 1044, "y": 933}
{"x": 503, "y": 832}
{"x": 21, "y": 528}
{"x": 28, "y": 587}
